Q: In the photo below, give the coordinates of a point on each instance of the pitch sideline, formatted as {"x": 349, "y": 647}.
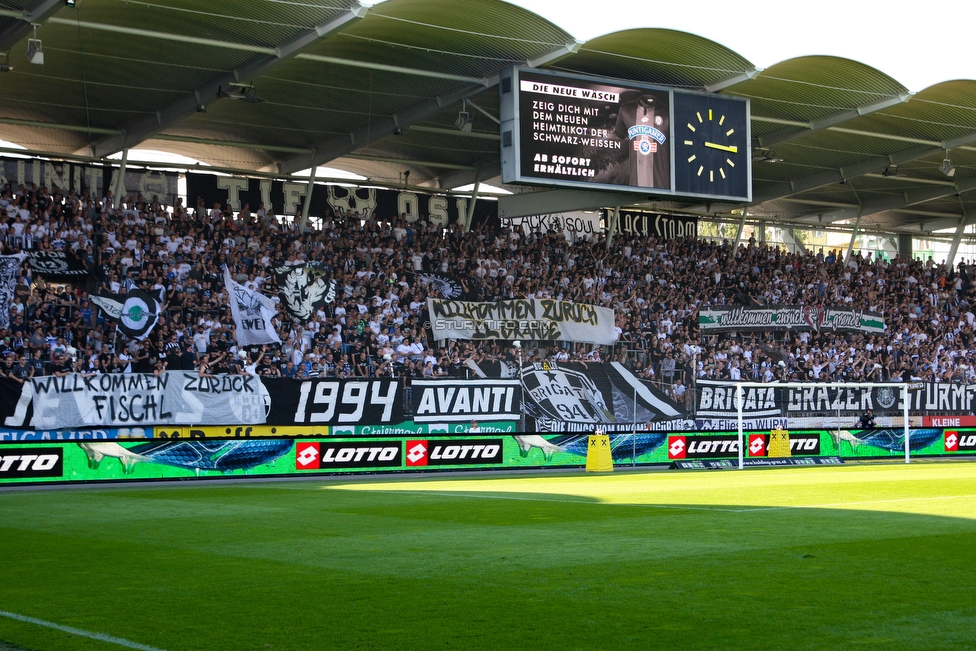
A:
{"x": 102, "y": 637}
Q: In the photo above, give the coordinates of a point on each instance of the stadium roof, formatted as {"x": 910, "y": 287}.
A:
{"x": 376, "y": 91}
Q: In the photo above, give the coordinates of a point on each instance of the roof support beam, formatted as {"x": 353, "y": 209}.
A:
{"x": 552, "y": 201}
{"x": 732, "y": 80}
{"x": 60, "y": 127}
{"x": 842, "y": 174}
{"x": 230, "y": 143}
{"x": 407, "y": 161}
{"x": 191, "y": 102}
{"x": 788, "y": 133}
{"x": 896, "y": 202}
{"x": 361, "y": 137}
{"x": 486, "y": 171}
{"x": 39, "y": 12}
{"x": 455, "y": 132}
{"x": 328, "y": 150}
{"x": 368, "y": 65}
{"x": 930, "y": 226}
{"x": 967, "y": 219}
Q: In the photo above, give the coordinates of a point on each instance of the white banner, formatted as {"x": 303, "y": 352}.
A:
{"x": 9, "y": 271}
{"x": 538, "y": 319}
{"x": 135, "y": 399}
{"x": 573, "y": 225}
{"x": 252, "y": 312}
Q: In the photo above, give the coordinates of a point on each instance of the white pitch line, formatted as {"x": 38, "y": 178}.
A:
{"x": 836, "y": 504}
{"x": 542, "y": 499}
{"x": 102, "y": 637}
{"x": 679, "y": 507}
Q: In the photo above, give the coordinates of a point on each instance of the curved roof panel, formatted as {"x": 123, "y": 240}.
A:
{"x": 276, "y": 86}
{"x": 657, "y": 56}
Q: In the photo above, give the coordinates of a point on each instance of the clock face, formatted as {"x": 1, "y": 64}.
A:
{"x": 711, "y": 144}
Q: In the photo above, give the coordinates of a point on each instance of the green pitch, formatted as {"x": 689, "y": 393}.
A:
{"x": 809, "y": 558}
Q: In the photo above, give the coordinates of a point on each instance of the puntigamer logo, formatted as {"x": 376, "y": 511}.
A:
{"x": 31, "y": 463}
{"x": 467, "y": 452}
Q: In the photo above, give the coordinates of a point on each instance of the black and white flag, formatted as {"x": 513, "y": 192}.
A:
{"x": 448, "y": 286}
{"x": 252, "y": 312}
{"x": 9, "y": 270}
{"x": 304, "y": 289}
{"x": 56, "y": 265}
{"x": 135, "y": 312}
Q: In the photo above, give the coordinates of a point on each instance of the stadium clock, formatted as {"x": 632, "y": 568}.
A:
{"x": 711, "y": 142}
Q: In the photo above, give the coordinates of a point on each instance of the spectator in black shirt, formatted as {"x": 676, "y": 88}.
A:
{"x": 866, "y": 421}
{"x": 62, "y": 365}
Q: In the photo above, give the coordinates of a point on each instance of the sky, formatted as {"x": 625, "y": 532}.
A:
{"x": 916, "y": 43}
{"x": 916, "y": 47}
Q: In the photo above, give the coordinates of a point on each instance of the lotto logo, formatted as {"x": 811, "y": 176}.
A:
{"x": 956, "y": 442}
{"x": 30, "y": 463}
{"x": 757, "y": 445}
{"x": 416, "y": 453}
{"x": 306, "y": 456}
{"x": 676, "y": 447}
{"x": 951, "y": 441}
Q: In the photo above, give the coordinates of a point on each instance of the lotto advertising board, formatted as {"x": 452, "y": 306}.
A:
{"x": 416, "y": 449}
{"x": 587, "y": 132}
{"x": 202, "y": 458}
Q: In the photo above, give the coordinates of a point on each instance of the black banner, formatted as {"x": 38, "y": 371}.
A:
{"x": 60, "y": 266}
{"x": 87, "y": 176}
{"x": 561, "y": 395}
{"x": 30, "y": 463}
{"x": 335, "y": 402}
{"x": 288, "y": 197}
{"x": 10, "y": 391}
{"x": 303, "y": 289}
{"x": 717, "y": 400}
{"x": 661, "y": 226}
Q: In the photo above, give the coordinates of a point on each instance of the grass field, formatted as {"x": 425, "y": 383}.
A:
{"x": 880, "y": 557}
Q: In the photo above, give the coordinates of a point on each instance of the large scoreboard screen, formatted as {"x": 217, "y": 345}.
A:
{"x": 603, "y": 134}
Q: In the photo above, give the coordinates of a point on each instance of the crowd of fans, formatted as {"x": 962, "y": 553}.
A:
{"x": 376, "y": 327}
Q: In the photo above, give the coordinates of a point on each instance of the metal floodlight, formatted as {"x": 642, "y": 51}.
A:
{"x": 244, "y": 93}
{"x": 34, "y": 53}
{"x": 464, "y": 122}
{"x": 891, "y": 171}
{"x": 766, "y": 156}
{"x": 947, "y": 168}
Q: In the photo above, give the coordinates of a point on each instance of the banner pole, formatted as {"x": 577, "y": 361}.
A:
{"x": 633, "y": 439}
{"x": 904, "y": 407}
{"x": 738, "y": 406}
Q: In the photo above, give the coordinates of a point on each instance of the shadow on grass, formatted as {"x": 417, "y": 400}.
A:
{"x": 377, "y": 566}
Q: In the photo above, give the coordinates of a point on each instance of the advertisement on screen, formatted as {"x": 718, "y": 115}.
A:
{"x": 586, "y": 132}
{"x": 91, "y": 460}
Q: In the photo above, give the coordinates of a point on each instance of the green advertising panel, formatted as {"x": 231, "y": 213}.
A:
{"x": 413, "y": 449}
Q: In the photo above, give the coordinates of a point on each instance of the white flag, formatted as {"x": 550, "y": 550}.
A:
{"x": 9, "y": 273}
{"x": 252, "y": 312}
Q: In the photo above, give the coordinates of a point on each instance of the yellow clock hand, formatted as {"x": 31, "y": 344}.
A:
{"x": 729, "y": 148}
